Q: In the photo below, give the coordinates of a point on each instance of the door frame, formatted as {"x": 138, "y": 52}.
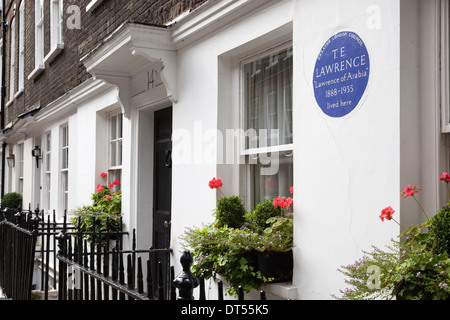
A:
{"x": 144, "y": 163}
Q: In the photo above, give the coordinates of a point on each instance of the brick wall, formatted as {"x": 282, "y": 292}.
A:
{"x": 66, "y": 71}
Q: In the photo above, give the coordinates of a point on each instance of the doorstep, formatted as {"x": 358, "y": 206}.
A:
{"x": 284, "y": 290}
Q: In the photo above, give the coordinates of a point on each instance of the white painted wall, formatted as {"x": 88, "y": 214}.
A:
{"x": 346, "y": 170}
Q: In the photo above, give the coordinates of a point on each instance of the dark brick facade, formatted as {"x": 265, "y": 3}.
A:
{"x": 66, "y": 71}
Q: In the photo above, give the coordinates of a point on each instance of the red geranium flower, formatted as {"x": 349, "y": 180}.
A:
{"x": 387, "y": 214}
{"x": 103, "y": 175}
{"x": 215, "y": 183}
{"x": 100, "y": 188}
{"x": 292, "y": 189}
{"x": 116, "y": 183}
{"x": 283, "y": 202}
{"x": 410, "y": 191}
{"x": 445, "y": 177}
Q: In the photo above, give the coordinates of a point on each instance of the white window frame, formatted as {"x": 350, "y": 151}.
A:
{"x": 12, "y": 61}
{"x": 92, "y": 5}
{"x": 20, "y": 173}
{"x": 64, "y": 167}
{"x": 39, "y": 65}
{"x": 251, "y": 153}
{"x": 47, "y": 170}
{"x": 445, "y": 65}
{"x": 115, "y": 168}
{"x": 56, "y": 30}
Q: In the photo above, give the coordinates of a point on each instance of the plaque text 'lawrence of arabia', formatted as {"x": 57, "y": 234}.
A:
{"x": 341, "y": 74}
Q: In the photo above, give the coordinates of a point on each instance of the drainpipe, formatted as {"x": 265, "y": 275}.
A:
{"x": 3, "y": 94}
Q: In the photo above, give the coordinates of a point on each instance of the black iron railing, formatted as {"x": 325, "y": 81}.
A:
{"x": 17, "y": 251}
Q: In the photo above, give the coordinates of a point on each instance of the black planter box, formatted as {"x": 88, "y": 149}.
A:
{"x": 276, "y": 265}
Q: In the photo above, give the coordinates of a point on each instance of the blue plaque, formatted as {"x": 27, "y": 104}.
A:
{"x": 341, "y": 74}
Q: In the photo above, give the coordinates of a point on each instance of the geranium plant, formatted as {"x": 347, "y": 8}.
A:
{"x": 105, "y": 211}
{"x": 227, "y": 247}
{"x": 415, "y": 268}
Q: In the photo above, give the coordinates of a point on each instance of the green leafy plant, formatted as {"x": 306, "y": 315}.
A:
{"x": 440, "y": 225}
{"x": 103, "y": 214}
{"x": 230, "y": 212}
{"x": 416, "y": 268}
{"x": 12, "y": 200}
{"x": 257, "y": 219}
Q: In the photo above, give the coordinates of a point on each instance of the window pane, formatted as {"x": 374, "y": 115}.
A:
{"x": 268, "y": 96}
{"x": 113, "y": 154}
{"x": 113, "y": 127}
{"x": 119, "y": 125}
{"x": 268, "y": 187}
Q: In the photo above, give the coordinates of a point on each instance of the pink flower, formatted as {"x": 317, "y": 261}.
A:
{"x": 283, "y": 202}
{"x": 445, "y": 177}
{"x": 410, "y": 191}
{"x": 103, "y": 175}
{"x": 108, "y": 198}
{"x": 215, "y": 183}
{"x": 387, "y": 213}
{"x": 292, "y": 189}
{"x": 100, "y": 188}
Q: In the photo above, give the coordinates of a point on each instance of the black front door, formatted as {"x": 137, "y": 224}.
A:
{"x": 162, "y": 186}
{"x": 162, "y": 173}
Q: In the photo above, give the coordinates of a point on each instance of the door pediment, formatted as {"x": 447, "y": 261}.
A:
{"x": 131, "y": 50}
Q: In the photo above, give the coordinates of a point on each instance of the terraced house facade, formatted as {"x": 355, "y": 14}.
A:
{"x": 346, "y": 100}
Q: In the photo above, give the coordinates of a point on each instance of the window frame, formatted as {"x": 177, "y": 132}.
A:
{"x": 47, "y": 170}
{"x": 12, "y": 60}
{"x": 39, "y": 58}
{"x": 21, "y": 75}
{"x": 445, "y": 65}
{"x": 21, "y": 167}
{"x": 115, "y": 169}
{"x": 249, "y": 59}
{"x": 64, "y": 145}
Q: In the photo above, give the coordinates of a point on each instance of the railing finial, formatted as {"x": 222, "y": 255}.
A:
{"x": 186, "y": 282}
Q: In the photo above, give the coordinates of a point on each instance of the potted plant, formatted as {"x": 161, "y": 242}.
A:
{"x": 238, "y": 245}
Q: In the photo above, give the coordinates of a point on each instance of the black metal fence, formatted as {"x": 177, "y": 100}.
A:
{"x": 17, "y": 251}
{"x": 98, "y": 269}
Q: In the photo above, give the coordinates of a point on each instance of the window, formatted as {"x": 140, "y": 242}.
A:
{"x": 12, "y": 60}
{"x": 267, "y": 123}
{"x": 445, "y": 65}
{"x": 64, "y": 144}
{"x": 21, "y": 46}
{"x": 20, "y": 168}
{"x": 56, "y": 22}
{"x": 47, "y": 170}
{"x": 115, "y": 146}
{"x": 39, "y": 38}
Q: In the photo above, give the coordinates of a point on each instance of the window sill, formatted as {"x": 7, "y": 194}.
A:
{"x": 18, "y": 93}
{"x": 37, "y": 71}
{"x": 54, "y": 53}
{"x": 284, "y": 290}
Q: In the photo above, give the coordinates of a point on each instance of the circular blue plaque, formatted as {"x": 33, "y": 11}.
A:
{"x": 341, "y": 74}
